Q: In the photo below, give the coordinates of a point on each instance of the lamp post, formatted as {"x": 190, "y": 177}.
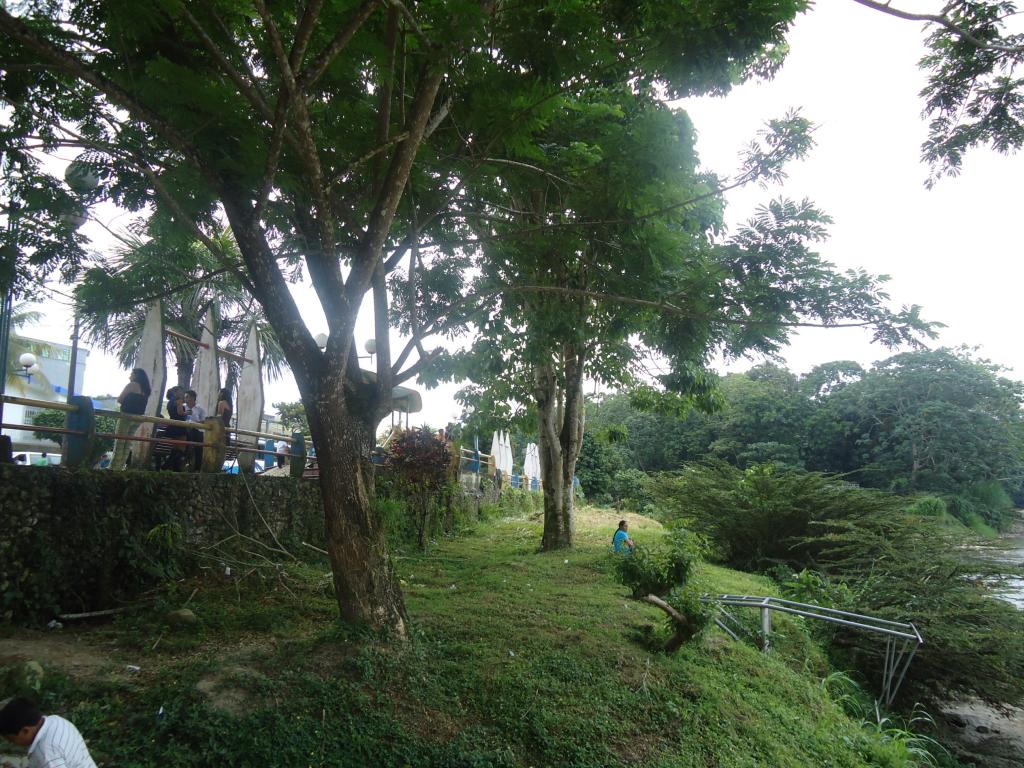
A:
{"x": 28, "y": 366}
{"x": 370, "y": 346}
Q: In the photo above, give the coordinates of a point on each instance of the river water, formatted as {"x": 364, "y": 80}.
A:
{"x": 1012, "y": 552}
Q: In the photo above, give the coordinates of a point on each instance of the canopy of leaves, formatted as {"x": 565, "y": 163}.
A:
{"x": 936, "y": 421}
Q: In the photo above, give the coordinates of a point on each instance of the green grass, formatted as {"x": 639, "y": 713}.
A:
{"x": 516, "y": 659}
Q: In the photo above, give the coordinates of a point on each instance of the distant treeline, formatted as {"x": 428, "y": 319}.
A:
{"x": 929, "y": 422}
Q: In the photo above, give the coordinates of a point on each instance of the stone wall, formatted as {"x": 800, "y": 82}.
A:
{"x": 84, "y": 540}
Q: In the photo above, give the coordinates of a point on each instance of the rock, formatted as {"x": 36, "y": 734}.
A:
{"x": 956, "y": 720}
{"x": 982, "y": 728}
{"x": 183, "y": 617}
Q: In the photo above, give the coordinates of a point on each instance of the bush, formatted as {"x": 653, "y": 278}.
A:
{"x": 987, "y": 502}
{"x": 420, "y": 462}
{"x": 757, "y": 518}
{"x": 660, "y": 574}
{"x": 928, "y": 506}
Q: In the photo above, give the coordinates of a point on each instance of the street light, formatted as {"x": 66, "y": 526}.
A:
{"x": 29, "y": 366}
{"x": 370, "y": 345}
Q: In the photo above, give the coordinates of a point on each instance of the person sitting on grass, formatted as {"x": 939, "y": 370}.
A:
{"x": 621, "y": 540}
{"x": 52, "y": 741}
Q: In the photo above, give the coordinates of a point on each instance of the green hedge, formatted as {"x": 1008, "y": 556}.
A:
{"x": 73, "y": 541}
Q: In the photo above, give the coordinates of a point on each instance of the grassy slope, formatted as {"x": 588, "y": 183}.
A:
{"x": 517, "y": 659}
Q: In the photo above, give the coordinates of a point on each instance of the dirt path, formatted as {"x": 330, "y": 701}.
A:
{"x": 67, "y": 653}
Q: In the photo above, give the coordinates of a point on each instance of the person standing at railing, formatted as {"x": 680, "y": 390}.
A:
{"x": 176, "y": 411}
{"x": 133, "y": 399}
{"x": 194, "y": 414}
{"x": 224, "y": 409}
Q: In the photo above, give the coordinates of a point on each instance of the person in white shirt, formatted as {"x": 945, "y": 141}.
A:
{"x": 193, "y": 411}
{"x": 196, "y": 413}
{"x": 52, "y": 741}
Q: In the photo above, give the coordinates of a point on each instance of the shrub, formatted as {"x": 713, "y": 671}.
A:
{"x": 660, "y": 574}
{"x": 420, "y": 462}
{"x": 757, "y": 518}
{"x": 986, "y": 501}
{"x": 928, "y": 506}
{"x": 909, "y": 568}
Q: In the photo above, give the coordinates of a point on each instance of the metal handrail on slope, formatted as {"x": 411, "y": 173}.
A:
{"x": 902, "y": 639}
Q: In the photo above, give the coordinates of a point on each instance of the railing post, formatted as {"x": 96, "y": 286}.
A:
{"x": 79, "y": 449}
{"x": 297, "y": 454}
{"x": 766, "y": 627}
{"x": 215, "y": 443}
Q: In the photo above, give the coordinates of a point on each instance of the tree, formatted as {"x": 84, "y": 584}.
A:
{"x": 184, "y": 274}
{"x": 605, "y": 297}
{"x": 54, "y": 418}
{"x": 975, "y": 92}
{"x": 293, "y": 416}
{"x": 335, "y": 136}
{"x": 930, "y": 420}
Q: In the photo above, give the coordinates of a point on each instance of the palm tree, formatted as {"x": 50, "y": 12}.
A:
{"x": 112, "y": 302}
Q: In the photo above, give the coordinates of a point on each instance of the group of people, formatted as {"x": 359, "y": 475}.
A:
{"x": 182, "y": 406}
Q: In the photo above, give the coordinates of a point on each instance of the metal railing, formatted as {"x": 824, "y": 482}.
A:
{"x": 902, "y": 639}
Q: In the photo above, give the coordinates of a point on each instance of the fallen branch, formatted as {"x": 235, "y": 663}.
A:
{"x": 683, "y": 628}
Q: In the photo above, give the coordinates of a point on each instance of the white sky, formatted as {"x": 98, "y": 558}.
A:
{"x": 954, "y": 249}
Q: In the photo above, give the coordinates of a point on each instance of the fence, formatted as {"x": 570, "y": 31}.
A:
{"x": 901, "y": 638}
{"x": 80, "y": 434}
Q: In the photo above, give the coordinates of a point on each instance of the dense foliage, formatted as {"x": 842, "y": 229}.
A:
{"x": 872, "y": 557}
{"x": 53, "y": 418}
{"x": 930, "y": 421}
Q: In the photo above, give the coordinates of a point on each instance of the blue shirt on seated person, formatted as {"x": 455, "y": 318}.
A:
{"x": 621, "y": 540}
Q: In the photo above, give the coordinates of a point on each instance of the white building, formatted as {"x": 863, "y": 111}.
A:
{"x": 50, "y": 384}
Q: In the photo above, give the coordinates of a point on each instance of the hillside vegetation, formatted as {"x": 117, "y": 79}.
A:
{"x": 517, "y": 659}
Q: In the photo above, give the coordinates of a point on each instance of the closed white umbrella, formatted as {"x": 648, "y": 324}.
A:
{"x": 496, "y": 450}
{"x": 509, "y": 459}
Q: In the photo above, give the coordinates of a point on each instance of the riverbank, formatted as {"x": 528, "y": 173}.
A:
{"x": 516, "y": 659}
{"x": 983, "y": 734}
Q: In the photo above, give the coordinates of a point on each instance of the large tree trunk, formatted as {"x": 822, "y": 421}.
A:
{"x": 560, "y": 416}
{"x": 184, "y": 364}
{"x": 364, "y": 581}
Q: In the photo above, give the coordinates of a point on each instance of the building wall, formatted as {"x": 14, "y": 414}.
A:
{"x": 51, "y": 385}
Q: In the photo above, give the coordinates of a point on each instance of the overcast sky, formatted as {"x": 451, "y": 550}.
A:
{"x": 954, "y": 249}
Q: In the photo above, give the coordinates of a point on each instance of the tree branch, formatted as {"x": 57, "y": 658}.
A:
{"x": 320, "y": 64}
{"x": 323, "y": 261}
{"x": 248, "y": 89}
{"x": 407, "y": 14}
{"x": 394, "y": 182}
{"x": 18, "y": 30}
{"x": 303, "y": 32}
{"x": 943, "y": 21}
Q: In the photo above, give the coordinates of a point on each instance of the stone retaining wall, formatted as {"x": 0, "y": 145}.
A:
{"x": 83, "y": 540}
